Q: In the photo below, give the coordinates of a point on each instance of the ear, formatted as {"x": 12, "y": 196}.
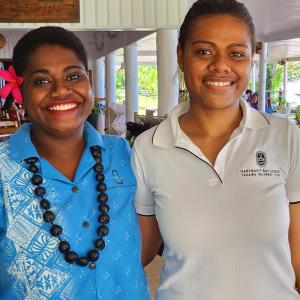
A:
{"x": 180, "y": 57}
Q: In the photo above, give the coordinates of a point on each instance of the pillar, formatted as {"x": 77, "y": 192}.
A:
{"x": 131, "y": 81}
{"x": 166, "y": 41}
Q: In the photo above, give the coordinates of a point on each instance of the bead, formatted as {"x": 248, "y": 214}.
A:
{"x": 98, "y": 167}
{"x": 98, "y": 159}
{"x": 56, "y": 230}
{"x": 95, "y": 150}
{"x": 64, "y": 246}
{"x": 104, "y": 208}
{"x": 31, "y": 160}
{"x": 99, "y": 244}
{"x": 101, "y": 187}
{"x": 85, "y": 224}
{"x": 71, "y": 257}
{"x": 45, "y": 204}
{"x": 93, "y": 255}
{"x": 102, "y": 198}
{"x": 36, "y": 180}
{"x": 40, "y": 191}
{"x": 82, "y": 261}
{"x": 33, "y": 169}
{"x": 75, "y": 189}
{"x": 48, "y": 216}
{"x": 100, "y": 177}
{"x": 103, "y": 218}
{"x": 102, "y": 230}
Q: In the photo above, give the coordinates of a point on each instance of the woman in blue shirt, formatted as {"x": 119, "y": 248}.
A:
{"x": 68, "y": 229}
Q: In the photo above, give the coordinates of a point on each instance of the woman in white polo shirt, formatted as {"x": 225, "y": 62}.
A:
{"x": 218, "y": 181}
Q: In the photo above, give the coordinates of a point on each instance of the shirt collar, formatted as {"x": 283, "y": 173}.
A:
{"x": 21, "y": 146}
{"x": 169, "y": 132}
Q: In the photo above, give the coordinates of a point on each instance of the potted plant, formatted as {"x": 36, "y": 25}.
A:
{"x": 283, "y": 107}
{"x": 297, "y": 115}
{"x": 97, "y": 109}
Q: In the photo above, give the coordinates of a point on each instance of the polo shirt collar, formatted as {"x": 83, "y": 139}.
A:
{"x": 252, "y": 118}
{"x": 20, "y": 144}
{"x": 168, "y": 133}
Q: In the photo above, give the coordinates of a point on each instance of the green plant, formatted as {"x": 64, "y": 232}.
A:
{"x": 98, "y": 108}
{"x": 297, "y": 115}
{"x": 282, "y": 102}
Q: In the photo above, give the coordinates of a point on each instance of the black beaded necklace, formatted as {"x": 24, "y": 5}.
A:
{"x": 56, "y": 230}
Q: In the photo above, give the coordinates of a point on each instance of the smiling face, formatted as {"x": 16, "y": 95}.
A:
{"x": 216, "y": 61}
{"x": 56, "y": 90}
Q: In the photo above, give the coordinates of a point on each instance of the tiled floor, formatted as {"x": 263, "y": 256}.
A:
{"x": 153, "y": 271}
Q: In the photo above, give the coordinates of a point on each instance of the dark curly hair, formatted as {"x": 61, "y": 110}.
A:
{"x": 52, "y": 35}
{"x": 203, "y": 8}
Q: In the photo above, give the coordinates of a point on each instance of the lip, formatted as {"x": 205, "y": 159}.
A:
{"x": 63, "y": 106}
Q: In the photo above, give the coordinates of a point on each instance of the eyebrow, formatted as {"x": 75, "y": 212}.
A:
{"x": 214, "y": 45}
{"x": 46, "y": 72}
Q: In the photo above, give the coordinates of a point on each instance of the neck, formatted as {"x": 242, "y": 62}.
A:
{"x": 211, "y": 122}
{"x": 63, "y": 153}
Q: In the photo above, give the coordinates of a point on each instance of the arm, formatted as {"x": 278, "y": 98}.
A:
{"x": 145, "y": 204}
{"x": 294, "y": 239}
{"x": 151, "y": 238}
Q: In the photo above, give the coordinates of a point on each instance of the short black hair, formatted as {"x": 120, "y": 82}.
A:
{"x": 51, "y": 35}
{"x": 203, "y": 8}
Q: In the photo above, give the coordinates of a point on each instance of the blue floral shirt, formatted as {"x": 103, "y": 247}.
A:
{"x": 31, "y": 267}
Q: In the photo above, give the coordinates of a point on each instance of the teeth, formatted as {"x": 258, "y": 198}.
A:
{"x": 217, "y": 83}
{"x": 63, "y": 106}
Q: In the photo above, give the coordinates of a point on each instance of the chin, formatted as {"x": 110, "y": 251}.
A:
{"x": 218, "y": 103}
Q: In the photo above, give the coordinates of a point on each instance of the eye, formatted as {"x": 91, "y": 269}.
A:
{"x": 73, "y": 76}
{"x": 237, "y": 54}
{"x": 41, "y": 81}
{"x": 203, "y": 52}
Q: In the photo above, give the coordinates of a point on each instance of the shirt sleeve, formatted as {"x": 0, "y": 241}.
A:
{"x": 144, "y": 201}
{"x": 293, "y": 178}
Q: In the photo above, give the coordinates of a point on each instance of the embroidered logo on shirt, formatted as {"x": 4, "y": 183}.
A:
{"x": 261, "y": 159}
{"x": 117, "y": 177}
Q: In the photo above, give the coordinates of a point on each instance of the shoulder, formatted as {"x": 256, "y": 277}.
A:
{"x": 117, "y": 146}
{"x": 278, "y": 122}
{"x": 113, "y": 140}
{"x": 282, "y": 128}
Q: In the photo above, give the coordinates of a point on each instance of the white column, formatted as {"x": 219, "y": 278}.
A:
{"x": 99, "y": 80}
{"x": 166, "y": 41}
{"x": 131, "y": 81}
{"x": 263, "y": 58}
{"x": 253, "y": 85}
{"x": 285, "y": 78}
{"x": 99, "y": 89}
{"x": 110, "y": 76}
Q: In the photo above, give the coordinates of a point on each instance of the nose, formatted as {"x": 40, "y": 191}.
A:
{"x": 220, "y": 64}
{"x": 60, "y": 89}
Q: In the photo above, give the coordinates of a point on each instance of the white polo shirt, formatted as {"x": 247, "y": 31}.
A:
{"x": 225, "y": 228}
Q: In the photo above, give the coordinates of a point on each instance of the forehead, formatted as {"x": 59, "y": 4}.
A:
{"x": 222, "y": 28}
{"x": 49, "y": 56}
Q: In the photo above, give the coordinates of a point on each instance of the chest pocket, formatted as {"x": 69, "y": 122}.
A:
{"x": 117, "y": 178}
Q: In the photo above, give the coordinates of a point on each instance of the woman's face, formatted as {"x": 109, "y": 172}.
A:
{"x": 56, "y": 90}
{"x": 216, "y": 61}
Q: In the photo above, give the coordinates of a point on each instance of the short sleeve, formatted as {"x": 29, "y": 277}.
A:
{"x": 144, "y": 201}
{"x": 293, "y": 178}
